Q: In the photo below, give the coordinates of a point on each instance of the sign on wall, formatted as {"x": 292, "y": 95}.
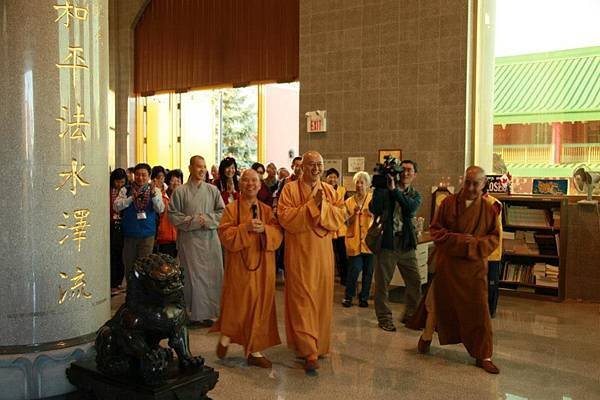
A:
{"x": 356, "y": 164}
{"x": 316, "y": 121}
{"x": 498, "y": 183}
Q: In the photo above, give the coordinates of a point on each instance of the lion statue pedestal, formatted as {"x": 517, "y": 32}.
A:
{"x": 130, "y": 362}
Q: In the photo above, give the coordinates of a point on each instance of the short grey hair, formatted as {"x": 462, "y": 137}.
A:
{"x": 364, "y": 176}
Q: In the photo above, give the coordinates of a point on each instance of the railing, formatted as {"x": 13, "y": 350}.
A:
{"x": 525, "y": 153}
{"x": 580, "y": 152}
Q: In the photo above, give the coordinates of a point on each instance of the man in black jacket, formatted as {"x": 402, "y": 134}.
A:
{"x": 397, "y": 205}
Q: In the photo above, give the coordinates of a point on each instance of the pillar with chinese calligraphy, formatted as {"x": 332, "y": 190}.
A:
{"x": 54, "y": 280}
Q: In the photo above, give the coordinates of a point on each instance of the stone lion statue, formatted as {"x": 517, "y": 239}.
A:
{"x": 154, "y": 310}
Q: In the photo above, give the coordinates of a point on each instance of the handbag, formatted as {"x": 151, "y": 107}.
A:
{"x": 375, "y": 234}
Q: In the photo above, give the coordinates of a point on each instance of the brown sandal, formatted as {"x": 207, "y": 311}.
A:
{"x": 221, "y": 351}
{"x": 488, "y": 366}
{"x": 423, "y": 345}
{"x": 261, "y": 362}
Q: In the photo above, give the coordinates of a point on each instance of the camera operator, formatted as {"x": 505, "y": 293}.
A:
{"x": 396, "y": 202}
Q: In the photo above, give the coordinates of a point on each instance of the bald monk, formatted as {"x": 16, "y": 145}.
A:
{"x": 310, "y": 211}
{"x": 465, "y": 233}
{"x": 250, "y": 235}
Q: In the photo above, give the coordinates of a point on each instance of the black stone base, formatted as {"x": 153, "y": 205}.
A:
{"x": 181, "y": 384}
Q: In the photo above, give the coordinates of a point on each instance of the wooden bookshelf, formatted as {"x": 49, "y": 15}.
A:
{"x": 519, "y": 261}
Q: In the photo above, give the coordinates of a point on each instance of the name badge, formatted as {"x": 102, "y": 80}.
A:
{"x": 141, "y": 215}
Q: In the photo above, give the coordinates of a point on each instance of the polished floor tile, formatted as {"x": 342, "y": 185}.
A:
{"x": 545, "y": 350}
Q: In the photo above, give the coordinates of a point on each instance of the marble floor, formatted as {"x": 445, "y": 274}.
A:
{"x": 545, "y": 350}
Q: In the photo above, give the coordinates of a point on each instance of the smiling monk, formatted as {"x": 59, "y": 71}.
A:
{"x": 310, "y": 211}
{"x": 250, "y": 235}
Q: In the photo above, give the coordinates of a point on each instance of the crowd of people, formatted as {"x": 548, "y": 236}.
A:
{"x": 234, "y": 230}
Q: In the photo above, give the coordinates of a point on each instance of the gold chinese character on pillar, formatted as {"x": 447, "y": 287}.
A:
{"x": 79, "y": 227}
{"x": 75, "y": 59}
{"x": 70, "y": 11}
{"x": 78, "y": 123}
{"x": 76, "y": 287}
{"x": 74, "y": 175}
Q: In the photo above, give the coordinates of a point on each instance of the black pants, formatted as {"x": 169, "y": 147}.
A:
{"x": 494, "y": 268}
{"x": 167, "y": 248}
{"x": 341, "y": 260}
{"x": 117, "y": 269}
{"x": 279, "y": 253}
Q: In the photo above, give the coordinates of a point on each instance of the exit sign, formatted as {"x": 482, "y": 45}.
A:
{"x": 316, "y": 121}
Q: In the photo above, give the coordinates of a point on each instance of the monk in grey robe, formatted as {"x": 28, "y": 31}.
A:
{"x": 195, "y": 210}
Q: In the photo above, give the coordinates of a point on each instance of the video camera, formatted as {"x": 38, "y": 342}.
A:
{"x": 391, "y": 167}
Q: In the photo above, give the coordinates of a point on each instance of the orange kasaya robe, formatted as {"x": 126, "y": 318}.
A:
{"x": 464, "y": 237}
{"x": 309, "y": 264}
{"x": 248, "y": 314}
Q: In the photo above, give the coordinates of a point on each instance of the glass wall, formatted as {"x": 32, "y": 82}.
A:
{"x": 253, "y": 123}
{"x": 546, "y": 85}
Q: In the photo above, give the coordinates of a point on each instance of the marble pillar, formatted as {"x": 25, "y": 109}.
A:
{"x": 54, "y": 280}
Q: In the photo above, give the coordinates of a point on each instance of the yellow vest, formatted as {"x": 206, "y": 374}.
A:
{"x": 342, "y": 231}
{"x": 357, "y": 231}
{"x": 497, "y": 254}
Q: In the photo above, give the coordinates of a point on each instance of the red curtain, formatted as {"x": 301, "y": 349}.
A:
{"x": 183, "y": 44}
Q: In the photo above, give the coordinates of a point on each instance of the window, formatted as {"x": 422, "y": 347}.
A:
{"x": 253, "y": 123}
{"x": 546, "y": 80}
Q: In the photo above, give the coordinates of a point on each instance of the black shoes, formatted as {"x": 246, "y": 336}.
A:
{"x": 347, "y": 303}
{"x": 363, "y": 304}
{"x": 387, "y": 326}
{"x": 205, "y": 323}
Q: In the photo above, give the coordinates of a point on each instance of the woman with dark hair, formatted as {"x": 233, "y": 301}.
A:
{"x": 227, "y": 183}
{"x": 166, "y": 235}
{"x": 264, "y": 194}
{"x": 157, "y": 176}
{"x": 118, "y": 179}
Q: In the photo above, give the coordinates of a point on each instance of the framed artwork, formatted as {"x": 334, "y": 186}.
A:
{"x": 553, "y": 187}
{"x": 438, "y": 194}
{"x": 397, "y": 154}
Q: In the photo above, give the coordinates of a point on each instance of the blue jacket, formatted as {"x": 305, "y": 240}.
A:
{"x": 409, "y": 201}
{"x": 139, "y": 228}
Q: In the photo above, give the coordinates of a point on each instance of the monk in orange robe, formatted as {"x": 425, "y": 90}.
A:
{"x": 311, "y": 212}
{"x": 249, "y": 234}
{"x": 465, "y": 233}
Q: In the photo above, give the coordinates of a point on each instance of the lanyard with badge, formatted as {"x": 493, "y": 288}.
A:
{"x": 140, "y": 201}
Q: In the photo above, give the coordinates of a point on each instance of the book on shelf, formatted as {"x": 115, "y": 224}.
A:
{"x": 548, "y": 276}
{"x": 538, "y": 274}
{"x": 546, "y": 244}
{"x": 556, "y": 218}
{"x": 520, "y": 246}
{"x": 527, "y": 217}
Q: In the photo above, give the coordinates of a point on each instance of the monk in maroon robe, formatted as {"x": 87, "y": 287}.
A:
{"x": 465, "y": 233}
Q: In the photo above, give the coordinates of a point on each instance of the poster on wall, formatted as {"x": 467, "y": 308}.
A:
{"x": 356, "y": 164}
{"x": 498, "y": 183}
{"x": 552, "y": 187}
{"x": 332, "y": 163}
{"x": 394, "y": 153}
